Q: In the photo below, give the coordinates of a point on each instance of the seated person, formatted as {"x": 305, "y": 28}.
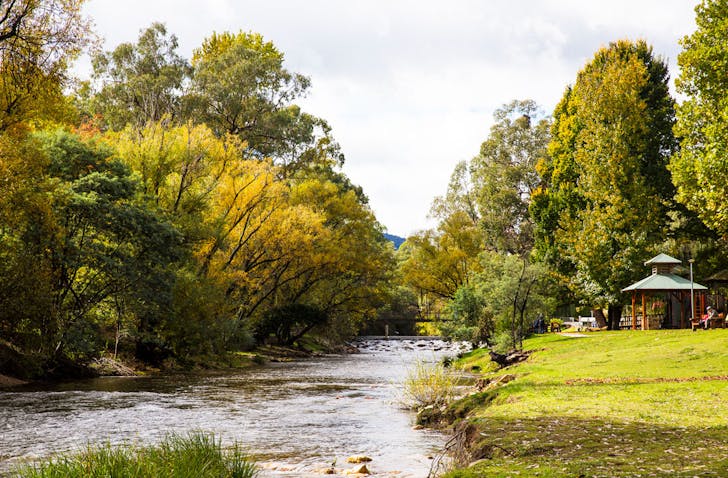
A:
{"x": 710, "y": 314}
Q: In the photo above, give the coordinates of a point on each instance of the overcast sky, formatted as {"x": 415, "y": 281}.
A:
{"x": 410, "y": 86}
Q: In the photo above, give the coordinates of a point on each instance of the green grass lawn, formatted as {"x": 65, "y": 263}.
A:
{"x": 632, "y": 403}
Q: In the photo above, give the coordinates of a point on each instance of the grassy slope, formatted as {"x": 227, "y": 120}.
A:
{"x": 651, "y": 403}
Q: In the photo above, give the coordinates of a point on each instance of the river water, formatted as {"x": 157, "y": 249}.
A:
{"x": 294, "y": 418}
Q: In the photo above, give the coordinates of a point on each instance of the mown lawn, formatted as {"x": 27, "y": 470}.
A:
{"x": 642, "y": 403}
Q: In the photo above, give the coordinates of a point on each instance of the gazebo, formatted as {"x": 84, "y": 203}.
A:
{"x": 676, "y": 290}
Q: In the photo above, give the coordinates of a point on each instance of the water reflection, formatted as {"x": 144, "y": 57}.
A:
{"x": 295, "y": 417}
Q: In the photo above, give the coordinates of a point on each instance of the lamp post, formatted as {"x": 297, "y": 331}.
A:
{"x": 692, "y": 291}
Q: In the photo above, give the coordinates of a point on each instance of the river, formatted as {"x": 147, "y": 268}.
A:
{"x": 293, "y": 418}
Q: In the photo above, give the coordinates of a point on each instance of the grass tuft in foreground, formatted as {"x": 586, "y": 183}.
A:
{"x": 197, "y": 455}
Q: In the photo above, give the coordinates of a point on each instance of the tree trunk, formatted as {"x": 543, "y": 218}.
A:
{"x": 599, "y": 315}
{"x": 615, "y": 314}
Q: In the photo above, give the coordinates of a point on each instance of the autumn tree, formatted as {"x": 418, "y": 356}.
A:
{"x": 257, "y": 243}
{"x": 607, "y": 191}
{"x": 38, "y": 40}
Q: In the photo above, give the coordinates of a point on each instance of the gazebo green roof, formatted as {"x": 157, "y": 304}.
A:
{"x": 663, "y": 259}
{"x": 664, "y": 282}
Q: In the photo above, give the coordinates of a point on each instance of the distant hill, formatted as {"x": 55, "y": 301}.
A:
{"x": 396, "y": 240}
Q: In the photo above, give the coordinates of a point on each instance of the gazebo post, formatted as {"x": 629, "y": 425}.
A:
{"x": 645, "y": 326}
{"x": 634, "y": 310}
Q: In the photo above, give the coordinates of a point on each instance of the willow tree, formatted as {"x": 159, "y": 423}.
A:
{"x": 604, "y": 203}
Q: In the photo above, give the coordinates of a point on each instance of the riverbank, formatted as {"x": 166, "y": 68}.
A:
{"x": 18, "y": 369}
{"x": 643, "y": 403}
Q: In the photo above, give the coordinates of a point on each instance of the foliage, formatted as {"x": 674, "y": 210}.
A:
{"x": 260, "y": 242}
{"x": 105, "y": 245}
{"x": 468, "y": 317}
{"x": 699, "y": 168}
{"x": 198, "y": 454}
{"x": 605, "y": 202}
{"x": 516, "y": 291}
{"x": 139, "y": 83}
{"x": 240, "y": 87}
{"x": 38, "y": 40}
{"x": 438, "y": 262}
{"x": 504, "y": 176}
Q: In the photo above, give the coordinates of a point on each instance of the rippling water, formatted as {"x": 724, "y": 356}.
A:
{"x": 294, "y": 418}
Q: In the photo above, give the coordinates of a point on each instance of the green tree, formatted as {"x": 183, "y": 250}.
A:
{"x": 607, "y": 191}
{"x": 140, "y": 83}
{"x": 103, "y": 243}
{"x": 516, "y": 291}
{"x": 469, "y": 317}
{"x": 504, "y": 174}
{"x": 241, "y": 87}
{"x": 699, "y": 168}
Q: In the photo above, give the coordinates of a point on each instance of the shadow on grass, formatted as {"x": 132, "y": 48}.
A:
{"x": 574, "y": 447}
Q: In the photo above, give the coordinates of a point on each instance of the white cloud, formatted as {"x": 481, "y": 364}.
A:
{"x": 410, "y": 86}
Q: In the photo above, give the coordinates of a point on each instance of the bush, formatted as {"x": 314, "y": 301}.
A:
{"x": 198, "y": 455}
{"x": 428, "y": 385}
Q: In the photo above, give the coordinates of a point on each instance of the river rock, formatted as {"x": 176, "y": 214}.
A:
{"x": 326, "y": 471}
{"x": 358, "y": 459}
{"x": 359, "y": 470}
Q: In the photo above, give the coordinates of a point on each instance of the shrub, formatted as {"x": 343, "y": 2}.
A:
{"x": 428, "y": 384}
